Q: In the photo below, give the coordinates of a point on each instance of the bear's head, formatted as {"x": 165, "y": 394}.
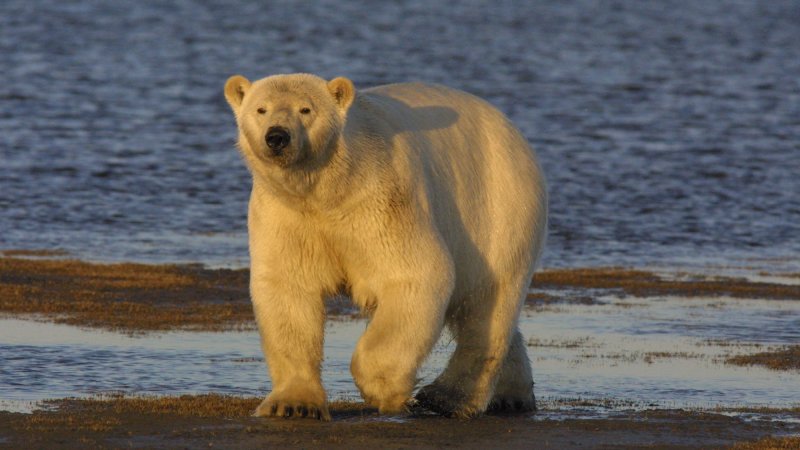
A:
{"x": 289, "y": 122}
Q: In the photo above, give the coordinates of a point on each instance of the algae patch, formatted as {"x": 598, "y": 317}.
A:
{"x": 126, "y": 297}
{"x": 641, "y": 283}
{"x": 787, "y": 358}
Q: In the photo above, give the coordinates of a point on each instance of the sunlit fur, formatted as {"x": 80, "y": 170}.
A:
{"x": 425, "y": 204}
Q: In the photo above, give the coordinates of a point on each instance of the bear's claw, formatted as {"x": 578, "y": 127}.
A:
{"x": 446, "y": 402}
{"x": 286, "y": 411}
{"x": 511, "y": 406}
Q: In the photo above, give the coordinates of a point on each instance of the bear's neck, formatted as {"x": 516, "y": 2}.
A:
{"x": 311, "y": 188}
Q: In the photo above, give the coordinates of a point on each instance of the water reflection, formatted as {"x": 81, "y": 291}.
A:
{"x": 659, "y": 352}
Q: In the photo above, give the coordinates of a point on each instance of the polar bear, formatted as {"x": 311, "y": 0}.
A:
{"x": 424, "y": 204}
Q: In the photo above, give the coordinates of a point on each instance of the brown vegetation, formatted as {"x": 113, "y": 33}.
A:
{"x": 770, "y": 443}
{"x": 641, "y": 283}
{"x": 202, "y": 405}
{"x": 127, "y": 297}
{"x": 582, "y": 342}
{"x": 787, "y": 358}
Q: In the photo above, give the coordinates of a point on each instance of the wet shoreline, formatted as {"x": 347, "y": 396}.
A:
{"x": 620, "y": 355}
{"x": 213, "y": 420}
{"x": 135, "y": 297}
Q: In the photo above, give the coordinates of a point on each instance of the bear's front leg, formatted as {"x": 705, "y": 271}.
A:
{"x": 291, "y": 321}
{"x": 404, "y": 328}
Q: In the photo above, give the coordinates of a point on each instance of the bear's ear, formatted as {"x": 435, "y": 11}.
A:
{"x": 235, "y": 88}
{"x": 342, "y": 91}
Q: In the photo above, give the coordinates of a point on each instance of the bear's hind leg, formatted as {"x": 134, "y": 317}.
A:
{"x": 483, "y": 327}
{"x": 514, "y": 390}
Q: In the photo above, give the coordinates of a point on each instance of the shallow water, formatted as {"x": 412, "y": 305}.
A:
{"x": 668, "y": 130}
{"x": 620, "y": 354}
{"x": 664, "y": 352}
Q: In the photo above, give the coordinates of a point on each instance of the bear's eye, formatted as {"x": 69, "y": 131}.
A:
{"x": 305, "y": 110}
{"x": 262, "y": 110}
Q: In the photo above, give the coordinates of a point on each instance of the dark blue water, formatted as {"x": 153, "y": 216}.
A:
{"x": 669, "y": 131}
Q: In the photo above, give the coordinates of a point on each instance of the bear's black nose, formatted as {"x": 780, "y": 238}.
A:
{"x": 277, "y": 139}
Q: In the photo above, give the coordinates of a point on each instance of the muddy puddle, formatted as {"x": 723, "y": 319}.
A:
{"x": 614, "y": 354}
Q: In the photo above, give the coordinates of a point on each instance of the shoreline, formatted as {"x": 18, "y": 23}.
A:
{"x": 214, "y": 420}
{"x": 136, "y": 297}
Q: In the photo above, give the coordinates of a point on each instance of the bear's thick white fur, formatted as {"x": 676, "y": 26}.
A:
{"x": 425, "y": 204}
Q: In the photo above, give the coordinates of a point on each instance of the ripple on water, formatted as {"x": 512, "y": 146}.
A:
{"x": 668, "y": 130}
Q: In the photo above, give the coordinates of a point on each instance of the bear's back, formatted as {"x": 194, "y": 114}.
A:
{"x": 458, "y": 128}
{"x": 481, "y": 173}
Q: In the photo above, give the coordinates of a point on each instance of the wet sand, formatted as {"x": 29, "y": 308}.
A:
{"x": 217, "y": 421}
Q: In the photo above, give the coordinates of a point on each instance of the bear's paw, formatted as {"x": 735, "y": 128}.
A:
{"x": 511, "y": 405}
{"x": 447, "y": 401}
{"x": 287, "y": 406}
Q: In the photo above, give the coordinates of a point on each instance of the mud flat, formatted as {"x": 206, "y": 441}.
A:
{"x": 218, "y": 421}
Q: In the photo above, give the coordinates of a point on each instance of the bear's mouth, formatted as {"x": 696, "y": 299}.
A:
{"x": 284, "y": 158}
